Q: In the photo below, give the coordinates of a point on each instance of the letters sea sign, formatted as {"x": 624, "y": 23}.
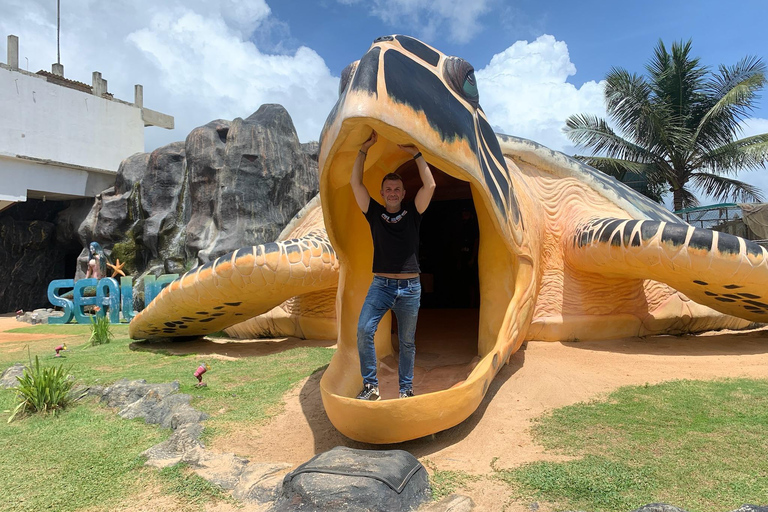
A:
{"x": 110, "y": 298}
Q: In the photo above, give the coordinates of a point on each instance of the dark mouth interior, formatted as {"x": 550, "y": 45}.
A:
{"x": 447, "y": 330}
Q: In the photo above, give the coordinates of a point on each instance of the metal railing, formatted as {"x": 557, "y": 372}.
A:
{"x": 723, "y": 217}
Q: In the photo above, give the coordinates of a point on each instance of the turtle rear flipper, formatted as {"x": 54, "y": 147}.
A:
{"x": 722, "y": 271}
{"x": 238, "y": 286}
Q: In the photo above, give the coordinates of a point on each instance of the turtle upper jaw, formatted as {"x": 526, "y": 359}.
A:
{"x": 390, "y": 421}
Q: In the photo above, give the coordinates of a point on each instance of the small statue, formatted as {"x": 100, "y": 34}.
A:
{"x": 97, "y": 264}
{"x": 60, "y": 348}
{"x": 199, "y": 374}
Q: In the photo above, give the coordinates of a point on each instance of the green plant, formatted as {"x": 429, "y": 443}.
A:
{"x": 125, "y": 251}
{"x": 101, "y": 330}
{"x": 42, "y": 390}
{"x": 678, "y": 127}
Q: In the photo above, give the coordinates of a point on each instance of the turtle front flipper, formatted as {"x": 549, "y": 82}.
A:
{"x": 725, "y": 272}
{"x": 238, "y": 286}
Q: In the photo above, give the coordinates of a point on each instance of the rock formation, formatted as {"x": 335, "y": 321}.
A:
{"x": 230, "y": 184}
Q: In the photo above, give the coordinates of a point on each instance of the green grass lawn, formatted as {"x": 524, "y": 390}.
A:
{"x": 698, "y": 445}
{"x": 701, "y": 446}
{"x": 87, "y": 457}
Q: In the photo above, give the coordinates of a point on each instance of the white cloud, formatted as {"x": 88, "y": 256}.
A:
{"x": 524, "y": 92}
{"x": 246, "y": 15}
{"x": 426, "y": 18}
{"x": 193, "y": 57}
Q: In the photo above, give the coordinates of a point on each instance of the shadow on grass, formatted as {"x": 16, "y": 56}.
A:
{"x": 326, "y": 436}
{"x": 226, "y": 347}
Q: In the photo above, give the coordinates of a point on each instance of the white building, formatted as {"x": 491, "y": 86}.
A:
{"x": 61, "y": 139}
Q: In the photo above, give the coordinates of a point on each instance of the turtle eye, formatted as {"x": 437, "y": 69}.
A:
{"x": 346, "y": 76}
{"x": 460, "y": 75}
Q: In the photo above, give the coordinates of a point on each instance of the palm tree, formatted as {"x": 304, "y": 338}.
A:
{"x": 678, "y": 127}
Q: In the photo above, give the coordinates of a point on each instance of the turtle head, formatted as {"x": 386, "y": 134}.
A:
{"x": 410, "y": 93}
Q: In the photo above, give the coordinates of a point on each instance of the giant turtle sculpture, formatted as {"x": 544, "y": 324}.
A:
{"x": 565, "y": 252}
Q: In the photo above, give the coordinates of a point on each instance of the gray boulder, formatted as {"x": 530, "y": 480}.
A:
{"x": 38, "y": 316}
{"x": 347, "y": 479}
{"x": 247, "y": 181}
{"x": 168, "y": 411}
{"x": 125, "y": 392}
{"x": 8, "y": 378}
{"x": 185, "y": 440}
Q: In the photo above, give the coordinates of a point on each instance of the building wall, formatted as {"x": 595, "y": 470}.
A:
{"x": 50, "y": 122}
{"x": 19, "y": 177}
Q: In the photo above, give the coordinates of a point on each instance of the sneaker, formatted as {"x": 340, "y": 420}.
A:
{"x": 406, "y": 394}
{"x": 369, "y": 392}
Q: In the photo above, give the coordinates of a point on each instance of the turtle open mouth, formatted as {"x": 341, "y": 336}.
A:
{"x": 467, "y": 270}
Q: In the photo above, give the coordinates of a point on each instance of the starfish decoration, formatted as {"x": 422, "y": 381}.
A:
{"x": 117, "y": 268}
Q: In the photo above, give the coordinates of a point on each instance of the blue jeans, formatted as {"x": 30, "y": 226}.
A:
{"x": 403, "y": 297}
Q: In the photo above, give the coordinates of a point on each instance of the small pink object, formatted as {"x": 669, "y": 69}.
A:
{"x": 59, "y": 349}
{"x": 199, "y": 373}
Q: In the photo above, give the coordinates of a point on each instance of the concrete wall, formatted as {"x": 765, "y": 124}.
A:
{"x": 50, "y": 122}
{"x": 20, "y": 178}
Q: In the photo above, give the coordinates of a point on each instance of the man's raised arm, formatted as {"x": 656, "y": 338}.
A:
{"x": 356, "y": 180}
{"x": 424, "y": 195}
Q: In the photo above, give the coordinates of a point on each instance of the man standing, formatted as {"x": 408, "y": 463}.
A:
{"x": 396, "y": 285}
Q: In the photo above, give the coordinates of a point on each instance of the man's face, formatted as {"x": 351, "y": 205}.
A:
{"x": 393, "y": 193}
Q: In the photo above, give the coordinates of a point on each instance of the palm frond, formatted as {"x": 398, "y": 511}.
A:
{"x": 627, "y": 96}
{"x": 729, "y": 76}
{"x": 646, "y": 179}
{"x": 687, "y": 198}
{"x": 725, "y": 189}
{"x": 733, "y": 93}
{"x": 677, "y": 78}
{"x": 660, "y": 63}
{"x": 744, "y": 154}
{"x": 647, "y": 123}
{"x": 594, "y": 133}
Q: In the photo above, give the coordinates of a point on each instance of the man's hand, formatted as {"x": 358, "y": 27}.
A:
{"x": 409, "y": 148}
{"x": 370, "y": 142}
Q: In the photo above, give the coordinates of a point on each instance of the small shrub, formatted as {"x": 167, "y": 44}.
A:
{"x": 42, "y": 390}
{"x": 101, "y": 330}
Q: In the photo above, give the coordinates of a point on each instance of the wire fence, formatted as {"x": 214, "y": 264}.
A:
{"x": 725, "y": 217}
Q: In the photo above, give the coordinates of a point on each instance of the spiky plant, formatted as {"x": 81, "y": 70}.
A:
{"x": 101, "y": 330}
{"x": 42, "y": 389}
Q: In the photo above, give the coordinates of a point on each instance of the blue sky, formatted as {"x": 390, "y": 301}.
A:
{"x": 536, "y": 62}
{"x": 599, "y": 34}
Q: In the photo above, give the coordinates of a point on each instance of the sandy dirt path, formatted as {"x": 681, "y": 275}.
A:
{"x": 9, "y": 322}
{"x": 541, "y": 377}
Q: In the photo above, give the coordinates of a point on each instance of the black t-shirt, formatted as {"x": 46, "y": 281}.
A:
{"x": 395, "y": 238}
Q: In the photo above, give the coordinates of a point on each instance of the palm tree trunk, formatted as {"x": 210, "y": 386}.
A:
{"x": 677, "y": 199}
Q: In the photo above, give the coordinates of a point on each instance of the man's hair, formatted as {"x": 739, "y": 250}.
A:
{"x": 393, "y": 176}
